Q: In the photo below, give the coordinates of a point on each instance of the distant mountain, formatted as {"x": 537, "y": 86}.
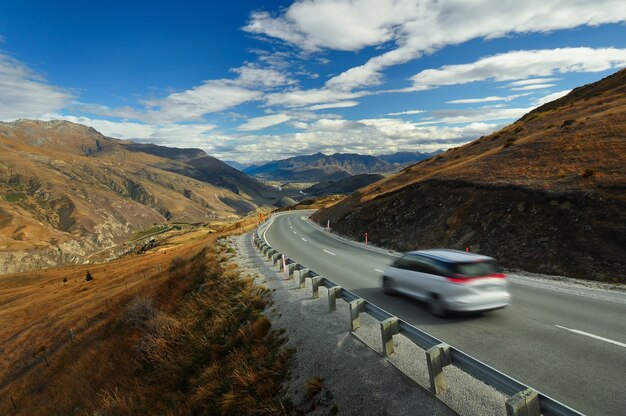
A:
{"x": 546, "y": 193}
{"x": 403, "y": 158}
{"x": 319, "y": 167}
{"x": 342, "y": 186}
{"x": 68, "y": 192}
{"x": 236, "y": 165}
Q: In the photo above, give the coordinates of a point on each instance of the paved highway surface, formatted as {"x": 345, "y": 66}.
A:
{"x": 566, "y": 341}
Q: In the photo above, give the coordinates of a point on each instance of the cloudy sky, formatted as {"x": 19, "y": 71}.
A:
{"x": 250, "y": 81}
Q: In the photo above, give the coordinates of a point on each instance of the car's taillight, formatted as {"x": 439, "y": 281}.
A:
{"x": 497, "y": 275}
{"x": 459, "y": 278}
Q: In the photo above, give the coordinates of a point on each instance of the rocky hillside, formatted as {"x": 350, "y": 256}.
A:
{"x": 71, "y": 195}
{"x": 320, "y": 167}
{"x": 546, "y": 194}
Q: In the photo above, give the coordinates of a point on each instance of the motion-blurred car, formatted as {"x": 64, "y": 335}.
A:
{"x": 448, "y": 280}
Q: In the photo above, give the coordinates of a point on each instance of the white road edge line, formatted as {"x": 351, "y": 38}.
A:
{"x": 332, "y": 254}
{"x": 576, "y": 331}
{"x": 378, "y": 270}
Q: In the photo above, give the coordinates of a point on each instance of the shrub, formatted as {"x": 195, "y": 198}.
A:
{"x": 88, "y": 276}
{"x": 139, "y": 312}
{"x": 65, "y": 280}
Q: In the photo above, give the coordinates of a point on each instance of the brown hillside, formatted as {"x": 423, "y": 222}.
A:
{"x": 68, "y": 192}
{"x": 174, "y": 331}
{"x": 545, "y": 193}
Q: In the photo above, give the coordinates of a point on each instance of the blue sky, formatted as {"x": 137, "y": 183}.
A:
{"x": 249, "y": 81}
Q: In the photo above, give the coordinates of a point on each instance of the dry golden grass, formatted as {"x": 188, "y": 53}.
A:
{"x": 554, "y": 148}
{"x": 133, "y": 359}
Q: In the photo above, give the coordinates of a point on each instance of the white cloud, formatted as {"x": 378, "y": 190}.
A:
{"x": 209, "y": 97}
{"x": 370, "y": 136}
{"x": 489, "y": 99}
{"x": 478, "y": 115}
{"x": 522, "y": 64}
{"x": 299, "y": 125}
{"x": 551, "y": 97}
{"x": 408, "y": 112}
{"x": 334, "y": 24}
{"x": 418, "y": 26}
{"x": 253, "y": 76}
{"x": 340, "y": 104}
{"x": 26, "y": 94}
{"x": 299, "y": 98}
{"x": 533, "y": 87}
{"x": 212, "y": 96}
{"x": 532, "y": 81}
{"x": 260, "y": 123}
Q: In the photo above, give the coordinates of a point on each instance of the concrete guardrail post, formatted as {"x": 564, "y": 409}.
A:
{"x": 302, "y": 274}
{"x": 437, "y": 357}
{"x": 524, "y": 403}
{"x": 356, "y": 307}
{"x": 265, "y": 250}
{"x": 388, "y": 328}
{"x": 333, "y": 293}
{"x": 270, "y": 253}
{"x": 290, "y": 269}
{"x": 276, "y": 258}
{"x": 315, "y": 286}
{"x": 278, "y": 261}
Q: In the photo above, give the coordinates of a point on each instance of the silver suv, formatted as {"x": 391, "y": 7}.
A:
{"x": 448, "y": 280}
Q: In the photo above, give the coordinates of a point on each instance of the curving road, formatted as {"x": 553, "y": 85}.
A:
{"x": 568, "y": 341}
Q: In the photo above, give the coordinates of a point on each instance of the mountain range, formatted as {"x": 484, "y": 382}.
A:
{"x": 546, "y": 193}
{"x": 70, "y": 194}
{"x": 322, "y": 168}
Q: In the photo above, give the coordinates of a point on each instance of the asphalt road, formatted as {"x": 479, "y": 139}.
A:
{"x": 567, "y": 341}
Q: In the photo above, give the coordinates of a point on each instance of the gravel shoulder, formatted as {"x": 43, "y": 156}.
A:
{"x": 357, "y": 379}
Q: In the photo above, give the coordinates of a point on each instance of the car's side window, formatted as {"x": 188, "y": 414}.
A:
{"x": 420, "y": 264}
{"x": 402, "y": 263}
{"x": 433, "y": 266}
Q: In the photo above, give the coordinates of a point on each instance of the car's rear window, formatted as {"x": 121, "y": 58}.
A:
{"x": 474, "y": 269}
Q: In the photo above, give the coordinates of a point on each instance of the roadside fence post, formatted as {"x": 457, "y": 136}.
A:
{"x": 437, "y": 357}
{"x": 315, "y": 286}
{"x": 302, "y": 274}
{"x": 356, "y": 307}
{"x": 333, "y": 293}
{"x": 524, "y": 403}
{"x": 388, "y": 328}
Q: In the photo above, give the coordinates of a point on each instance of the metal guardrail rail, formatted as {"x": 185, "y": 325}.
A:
{"x": 477, "y": 369}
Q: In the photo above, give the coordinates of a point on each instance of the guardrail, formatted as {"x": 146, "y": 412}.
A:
{"x": 523, "y": 399}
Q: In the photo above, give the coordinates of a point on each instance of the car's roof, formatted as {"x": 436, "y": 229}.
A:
{"x": 452, "y": 256}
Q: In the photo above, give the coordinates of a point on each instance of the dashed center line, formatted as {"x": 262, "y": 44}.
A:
{"x": 332, "y": 254}
{"x": 303, "y": 239}
{"x": 378, "y": 270}
{"x": 295, "y": 233}
{"x": 587, "y": 334}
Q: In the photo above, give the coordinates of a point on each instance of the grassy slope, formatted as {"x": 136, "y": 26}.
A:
{"x": 194, "y": 348}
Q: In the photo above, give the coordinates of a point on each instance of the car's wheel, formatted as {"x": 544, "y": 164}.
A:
{"x": 437, "y": 306}
{"x": 388, "y": 286}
